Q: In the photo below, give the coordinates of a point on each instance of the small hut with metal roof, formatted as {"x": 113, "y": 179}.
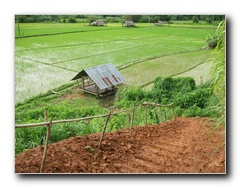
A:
{"x": 98, "y": 23}
{"x": 159, "y": 23}
{"x": 100, "y": 80}
{"x": 128, "y": 24}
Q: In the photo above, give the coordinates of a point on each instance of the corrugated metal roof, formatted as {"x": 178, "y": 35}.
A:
{"x": 129, "y": 22}
{"x": 98, "y": 22}
{"x": 103, "y": 75}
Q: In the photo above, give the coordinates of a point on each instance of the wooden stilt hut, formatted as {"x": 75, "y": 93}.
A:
{"x": 100, "y": 80}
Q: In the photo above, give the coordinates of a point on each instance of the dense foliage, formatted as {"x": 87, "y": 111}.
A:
{"x": 189, "y": 100}
{"x": 116, "y": 18}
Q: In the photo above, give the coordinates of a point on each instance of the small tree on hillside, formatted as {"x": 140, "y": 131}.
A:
{"x": 195, "y": 19}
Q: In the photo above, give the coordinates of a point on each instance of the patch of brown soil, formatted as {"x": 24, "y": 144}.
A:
{"x": 76, "y": 92}
{"x": 185, "y": 145}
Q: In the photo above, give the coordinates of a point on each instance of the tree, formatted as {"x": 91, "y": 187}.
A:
{"x": 144, "y": 19}
{"x": 72, "y": 20}
{"x": 195, "y": 19}
{"x": 165, "y": 18}
{"x": 64, "y": 19}
{"x": 209, "y": 19}
{"x": 134, "y": 18}
{"x": 92, "y": 18}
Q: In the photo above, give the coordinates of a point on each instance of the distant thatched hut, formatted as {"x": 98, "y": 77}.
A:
{"x": 100, "y": 80}
{"x": 98, "y": 23}
{"x": 128, "y": 24}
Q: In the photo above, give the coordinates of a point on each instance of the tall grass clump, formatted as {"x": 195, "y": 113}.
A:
{"x": 218, "y": 73}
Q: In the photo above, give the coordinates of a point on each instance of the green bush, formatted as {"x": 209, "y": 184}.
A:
{"x": 165, "y": 89}
{"x": 198, "y": 98}
{"x": 189, "y": 100}
{"x": 72, "y": 20}
{"x": 195, "y": 19}
{"x": 126, "y": 96}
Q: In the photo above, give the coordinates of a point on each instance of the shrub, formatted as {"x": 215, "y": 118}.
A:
{"x": 189, "y": 99}
{"x": 195, "y": 19}
{"x": 198, "y": 97}
{"x": 72, "y": 20}
{"x": 165, "y": 89}
{"x": 126, "y": 96}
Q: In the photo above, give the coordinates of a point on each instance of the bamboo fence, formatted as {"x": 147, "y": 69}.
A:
{"x": 49, "y": 124}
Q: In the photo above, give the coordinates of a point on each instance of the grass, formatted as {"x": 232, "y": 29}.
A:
{"x": 38, "y": 29}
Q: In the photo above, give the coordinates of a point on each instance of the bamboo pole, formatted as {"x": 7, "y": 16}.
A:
{"x": 140, "y": 113}
{"x": 46, "y": 145}
{"x": 156, "y": 116}
{"x": 173, "y": 108}
{"x": 89, "y": 118}
{"x": 104, "y": 128}
{"x": 69, "y": 120}
{"x": 146, "y": 117}
{"x": 154, "y": 104}
{"x": 128, "y": 118}
{"x": 46, "y": 120}
{"x": 160, "y": 109}
{"x": 132, "y": 117}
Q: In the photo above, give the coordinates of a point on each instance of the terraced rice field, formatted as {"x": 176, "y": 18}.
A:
{"x": 51, "y": 55}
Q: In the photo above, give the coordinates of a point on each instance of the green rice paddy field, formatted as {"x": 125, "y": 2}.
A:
{"x": 50, "y": 55}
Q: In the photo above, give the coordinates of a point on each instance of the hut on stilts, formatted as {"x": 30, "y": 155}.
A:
{"x": 100, "y": 80}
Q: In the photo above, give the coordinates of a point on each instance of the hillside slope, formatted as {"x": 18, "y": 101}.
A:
{"x": 184, "y": 145}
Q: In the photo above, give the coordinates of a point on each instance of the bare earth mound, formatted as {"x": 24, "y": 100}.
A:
{"x": 185, "y": 145}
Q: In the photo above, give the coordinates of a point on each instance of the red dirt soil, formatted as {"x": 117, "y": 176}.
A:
{"x": 184, "y": 145}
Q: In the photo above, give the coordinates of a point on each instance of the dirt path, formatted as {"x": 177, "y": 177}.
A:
{"x": 184, "y": 145}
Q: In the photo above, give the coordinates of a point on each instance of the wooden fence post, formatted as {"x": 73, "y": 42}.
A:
{"x": 156, "y": 116}
{"x": 46, "y": 144}
{"x": 165, "y": 115}
{"x": 139, "y": 118}
{"x": 104, "y": 128}
{"x": 132, "y": 117}
{"x": 146, "y": 115}
{"x": 128, "y": 117}
{"x": 160, "y": 115}
{"x": 173, "y": 111}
